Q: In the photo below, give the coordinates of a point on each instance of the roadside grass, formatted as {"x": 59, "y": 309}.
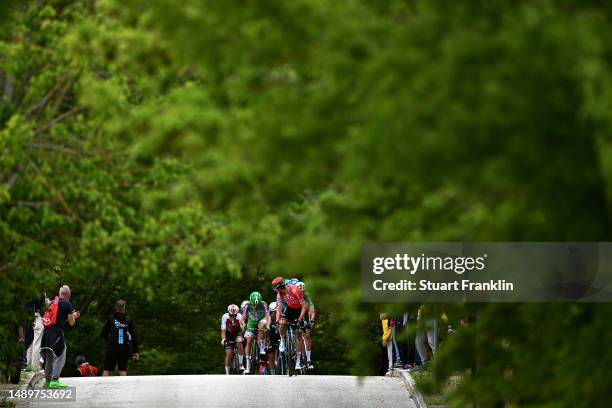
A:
{"x": 435, "y": 396}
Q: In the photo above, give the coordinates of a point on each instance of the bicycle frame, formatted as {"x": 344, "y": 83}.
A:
{"x": 293, "y": 330}
{"x": 236, "y": 363}
{"x": 261, "y": 365}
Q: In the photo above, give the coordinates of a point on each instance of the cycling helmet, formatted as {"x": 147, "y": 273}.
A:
{"x": 255, "y": 298}
{"x": 300, "y": 285}
{"x": 243, "y": 304}
{"x": 278, "y": 283}
{"x": 272, "y": 307}
{"x": 232, "y": 309}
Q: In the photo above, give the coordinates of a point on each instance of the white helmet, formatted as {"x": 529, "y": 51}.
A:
{"x": 300, "y": 285}
{"x": 272, "y": 307}
{"x": 232, "y": 309}
{"x": 243, "y": 304}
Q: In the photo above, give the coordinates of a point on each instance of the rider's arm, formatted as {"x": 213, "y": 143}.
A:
{"x": 304, "y": 310}
{"x": 268, "y": 318}
{"x": 223, "y": 326}
{"x": 300, "y": 297}
{"x": 312, "y": 314}
{"x": 308, "y": 298}
{"x": 279, "y": 308}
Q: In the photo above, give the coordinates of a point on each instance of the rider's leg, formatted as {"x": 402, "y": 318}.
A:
{"x": 272, "y": 362}
{"x": 228, "y": 359}
{"x": 308, "y": 345}
{"x": 248, "y": 347}
{"x": 282, "y": 329}
{"x": 240, "y": 351}
{"x": 261, "y": 336}
{"x": 300, "y": 347}
{"x": 282, "y": 326}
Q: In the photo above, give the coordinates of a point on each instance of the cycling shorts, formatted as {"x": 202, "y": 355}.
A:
{"x": 232, "y": 338}
{"x": 291, "y": 314}
{"x": 252, "y": 326}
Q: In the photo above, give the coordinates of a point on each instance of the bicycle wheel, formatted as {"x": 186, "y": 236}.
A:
{"x": 291, "y": 353}
{"x": 281, "y": 363}
{"x": 233, "y": 366}
{"x": 254, "y": 352}
{"x": 304, "y": 369}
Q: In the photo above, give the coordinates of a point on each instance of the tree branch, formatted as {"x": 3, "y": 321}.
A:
{"x": 59, "y": 195}
{"x": 8, "y": 266}
{"x": 51, "y": 146}
{"x": 22, "y": 89}
{"x": 58, "y": 119}
{"x": 40, "y": 106}
{"x": 8, "y": 89}
{"x": 62, "y": 94}
{"x": 92, "y": 295}
{"x": 32, "y": 204}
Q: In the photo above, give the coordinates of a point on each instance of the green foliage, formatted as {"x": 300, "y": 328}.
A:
{"x": 164, "y": 153}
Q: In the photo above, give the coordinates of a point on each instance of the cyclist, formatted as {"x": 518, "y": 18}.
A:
{"x": 296, "y": 308}
{"x": 310, "y": 320}
{"x": 257, "y": 317}
{"x": 274, "y": 338}
{"x": 231, "y": 333}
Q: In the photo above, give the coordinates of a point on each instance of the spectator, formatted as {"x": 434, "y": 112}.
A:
{"x": 28, "y": 337}
{"x": 53, "y": 342}
{"x": 397, "y": 362}
{"x": 426, "y": 336}
{"x": 33, "y": 348}
{"x": 405, "y": 341}
{"x": 386, "y": 340}
{"x": 15, "y": 363}
{"x": 120, "y": 335}
{"x": 84, "y": 369}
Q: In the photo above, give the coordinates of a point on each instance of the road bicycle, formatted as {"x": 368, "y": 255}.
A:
{"x": 259, "y": 363}
{"x": 235, "y": 363}
{"x": 290, "y": 355}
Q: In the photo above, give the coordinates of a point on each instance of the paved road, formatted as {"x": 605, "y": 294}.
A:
{"x": 236, "y": 391}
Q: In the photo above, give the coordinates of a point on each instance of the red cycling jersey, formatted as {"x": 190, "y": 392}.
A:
{"x": 294, "y": 298}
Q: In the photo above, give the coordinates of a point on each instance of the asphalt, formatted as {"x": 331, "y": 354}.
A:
{"x": 236, "y": 391}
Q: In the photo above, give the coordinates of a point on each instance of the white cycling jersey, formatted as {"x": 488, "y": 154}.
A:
{"x": 226, "y": 317}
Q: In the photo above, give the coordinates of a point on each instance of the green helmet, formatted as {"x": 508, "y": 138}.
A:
{"x": 255, "y": 298}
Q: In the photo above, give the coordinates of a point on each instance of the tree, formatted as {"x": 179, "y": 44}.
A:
{"x": 295, "y": 131}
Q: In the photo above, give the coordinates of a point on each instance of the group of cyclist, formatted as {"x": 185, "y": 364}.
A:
{"x": 267, "y": 325}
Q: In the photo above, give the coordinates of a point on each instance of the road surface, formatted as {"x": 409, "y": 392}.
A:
{"x": 236, "y": 391}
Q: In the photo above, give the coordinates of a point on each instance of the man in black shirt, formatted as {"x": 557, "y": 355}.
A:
{"x": 120, "y": 335}
{"x": 53, "y": 344}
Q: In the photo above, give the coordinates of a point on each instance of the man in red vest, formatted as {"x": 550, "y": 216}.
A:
{"x": 84, "y": 369}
